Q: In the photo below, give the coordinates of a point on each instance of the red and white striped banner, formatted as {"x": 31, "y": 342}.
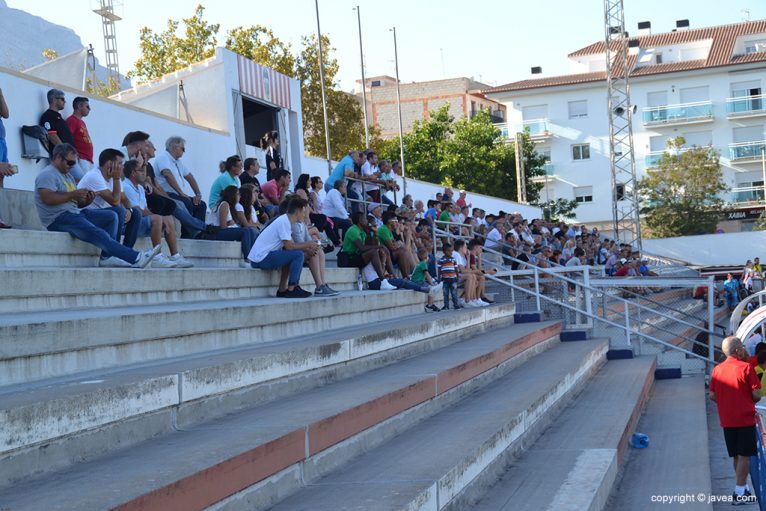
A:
{"x": 263, "y": 83}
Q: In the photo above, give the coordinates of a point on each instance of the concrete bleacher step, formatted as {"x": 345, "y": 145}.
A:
{"x": 45, "y": 344}
{"x": 45, "y": 289}
{"x": 434, "y": 464}
{"x": 673, "y": 463}
{"x": 301, "y": 437}
{"x": 31, "y": 249}
{"x": 573, "y": 465}
{"x": 54, "y": 422}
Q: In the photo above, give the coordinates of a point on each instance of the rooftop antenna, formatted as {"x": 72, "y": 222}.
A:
{"x": 108, "y": 17}
{"x": 625, "y": 203}
{"x": 745, "y": 14}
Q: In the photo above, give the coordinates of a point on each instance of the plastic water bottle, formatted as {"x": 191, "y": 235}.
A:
{"x": 359, "y": 284}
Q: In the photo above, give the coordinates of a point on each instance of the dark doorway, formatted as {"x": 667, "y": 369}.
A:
{"x": 259, "y": 119}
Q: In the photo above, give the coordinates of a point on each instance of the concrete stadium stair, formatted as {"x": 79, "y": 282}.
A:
{"x": 55, "y": 422}
{"x": 46, "y": 289}
{"x": 574, "y": 464}
{"x": 278, "y": 444}
{"x": 32, "y": 249}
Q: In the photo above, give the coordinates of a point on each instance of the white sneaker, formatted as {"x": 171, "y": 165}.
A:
{"x": 145, "y": 257}
{"x": 478, "y": 303}
{"x": 386, "y": 286}
{"x": 245, "y": 264}
{"x": 163, "y": 262}
{"x": 113, "y": 262}
{"x": 462, "y": 302}
{"x": 181, "y": 261}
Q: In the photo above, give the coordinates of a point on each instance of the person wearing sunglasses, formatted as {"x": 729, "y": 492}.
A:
{"x": 58, "y": 204}
{"x": 57, "y": 128}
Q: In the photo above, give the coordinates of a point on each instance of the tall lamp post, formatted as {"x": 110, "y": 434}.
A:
{"x": 324, "y": 97}
{"x": 399, "y": 108}
{"x": 364, "y": 82}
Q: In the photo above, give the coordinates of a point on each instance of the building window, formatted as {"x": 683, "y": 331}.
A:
{"x": 583, "y": 194}
{"x": 578, "y": 109}
{"x": 658, "y": 58}
{"x": 581, "y": 152}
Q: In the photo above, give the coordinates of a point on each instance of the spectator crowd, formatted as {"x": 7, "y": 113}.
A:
{"x": 115, "y": 196}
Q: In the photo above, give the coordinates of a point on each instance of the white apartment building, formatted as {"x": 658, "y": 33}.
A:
{"x": 703, "y": 84}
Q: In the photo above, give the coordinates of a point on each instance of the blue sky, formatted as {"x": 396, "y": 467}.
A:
{"x": 495, "y": 41}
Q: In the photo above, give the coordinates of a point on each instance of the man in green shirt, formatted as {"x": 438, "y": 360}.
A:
{"x": 356, "y": 252}
{"x": 399, "y": 253}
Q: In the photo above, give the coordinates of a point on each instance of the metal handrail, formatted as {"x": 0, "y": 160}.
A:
{"x": 365, "y": 183}
{"x": 585, "y": 285}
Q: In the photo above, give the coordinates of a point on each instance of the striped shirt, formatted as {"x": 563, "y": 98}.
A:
{"x": 447, "y": 268}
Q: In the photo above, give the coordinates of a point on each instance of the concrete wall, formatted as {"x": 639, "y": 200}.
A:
{"x": 711, "y": 249}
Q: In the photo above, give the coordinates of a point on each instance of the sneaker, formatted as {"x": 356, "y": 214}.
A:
{"x": 245, "y": 264}
{"x": 445, "y": 307}
{"x": 740, "y": 500}
{"x": 330, "y": 291}
{"x": 471, "y": 304}
{"x": 461, "y": 302}
{"x": 320, "y": 291}
{"x": 431, "y": 308}
{"x": 482, "y": 303}
{"x": 181, "y": 261}
{"x": 386, "y": 286}
{"x": 145, "y": 257}
{"x": 162, "y": 262}
{"x": 298, "y": 293}
{"x": 486, "y": 300}
{"x": 113, "y": 262}
{"x": 458, "y": 306}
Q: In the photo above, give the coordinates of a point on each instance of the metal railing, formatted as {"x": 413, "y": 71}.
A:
{"x": 745, "y": 105}
{"x": 368, "y": 186}
{"x": 680, "y": 113}
{"x": 596, "y": 302}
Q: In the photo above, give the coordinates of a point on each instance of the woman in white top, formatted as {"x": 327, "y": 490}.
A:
{"x": 229, "y": 231}
{"x": 315, "y": 217}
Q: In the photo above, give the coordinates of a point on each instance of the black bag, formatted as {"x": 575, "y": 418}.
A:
{"x": 34, "y": 143}
{"x": 160, "y": 205}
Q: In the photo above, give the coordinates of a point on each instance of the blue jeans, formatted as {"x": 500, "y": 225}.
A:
{"x": 245, "y": 235}
{"x": 190, "y": 225}
{"x": 130, "y": 229}
{"x": 3, "y": 151}
{"x": 280, "y": 258}
{"x": 93, "y": 226}
{"x": 450, "y": 287}
{"x": 408, "y": 284}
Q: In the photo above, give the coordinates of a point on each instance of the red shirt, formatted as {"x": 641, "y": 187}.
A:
{"x": 733, "y": 382}
{"x": 82, "y": 141}
{"x": 622, "y": 272}
{"x": 753, "y": 361}
{"x": 270, "y": 190}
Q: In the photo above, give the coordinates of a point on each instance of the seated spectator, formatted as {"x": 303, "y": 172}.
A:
{"x": 465, "y": 276}
{"x": 433, "y": 212}
{"x": 275, "y": 191}
{"x": 387, "y": 179}
{"x": 229, "y": 176}
{"x": 154, "y": 226}
{"x": 476, "y": 265}
{"x": 251, "y": 168}
{"x": 357, "y": 250}
{"x": 308, "y": 241}
{"x": 421, "y": 275}
{"x": 375, "y": 283}
{"x": 58, "y": 201}
{"x": 228, "y": 230}
{"x": 275, "y": 249}
{"x": 246, "y": 214}
{"x": 334, "y": 207}
{"x": 178, "y": 181}
{"x": 461, "y": 200}
{"x": 57, "y": 128}
{"x": 315, "y": 218}
{"x": 399, "y": 252}
{"x": 106, "y": 182}
{"x": 376, "y": 211}
{"x": 420, "y": 212}
{"x": 621, "y": 269}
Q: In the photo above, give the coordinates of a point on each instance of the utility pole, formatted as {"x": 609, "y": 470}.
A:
{"x": 521, "y": 185}
{"x": 364, "y": 82}
{"x": 324, "y": 96}
{"x": 399, "y": 108}
{"x": 625, "y": 211}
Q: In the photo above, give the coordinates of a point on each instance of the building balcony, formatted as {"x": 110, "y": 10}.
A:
{"x": 747, "y": 151}
{"x": 550, "y": 174}
{"x": 745, "y": 196}
{"x": 684, "y": 113}
{"x": 746, "y": 106}
{"x": 652, "y": 160}
{"x": 539, "y": 130}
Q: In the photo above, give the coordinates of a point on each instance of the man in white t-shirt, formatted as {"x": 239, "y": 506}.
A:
{"x": 178, "y": 181}
{"x": 105, "y": 182}
{"x": 275, "y": 249}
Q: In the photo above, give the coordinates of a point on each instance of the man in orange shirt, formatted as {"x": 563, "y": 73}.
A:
{"x": 735, "y": 388}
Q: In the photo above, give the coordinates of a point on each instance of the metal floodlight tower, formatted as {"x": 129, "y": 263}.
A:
{"x": 625, "y": 205}
{"x": 108, "y": 17}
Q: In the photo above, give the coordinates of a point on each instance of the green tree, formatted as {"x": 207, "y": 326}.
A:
{"x": 259, "y": 44}
{"x": 466, "y": 153}
{"x": 343, "y": 110}
{"x": 167, "y": 51}
{"x": 681, "y": 197}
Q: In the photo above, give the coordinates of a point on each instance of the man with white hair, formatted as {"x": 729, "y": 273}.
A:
{"x": 735, "y": 388}
{"x": 178, "y": 181}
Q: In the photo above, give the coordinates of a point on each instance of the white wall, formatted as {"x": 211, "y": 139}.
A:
{"x": 711, "y": 249}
